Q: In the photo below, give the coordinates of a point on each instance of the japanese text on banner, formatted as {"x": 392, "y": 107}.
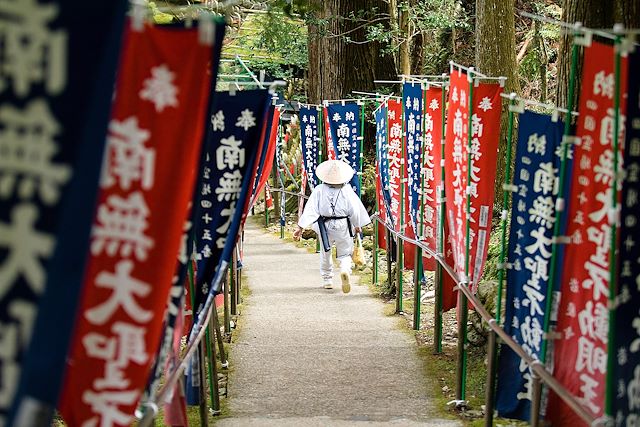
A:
{"x": 583, "y": 319}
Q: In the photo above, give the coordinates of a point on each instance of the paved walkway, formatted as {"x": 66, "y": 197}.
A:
{"x": 307, "y": 356}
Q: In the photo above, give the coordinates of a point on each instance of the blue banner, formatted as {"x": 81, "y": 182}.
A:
{"x": 231, "y": 153}
{"x": 310, "y": 142}
{"x": 54, "y": 109}
{"x": 532, "y": 222}
{"x": 626, "y": 403}
{"x": 412, "y": 101}
{"x": 383, "y": 157}
{"x": 344, "y": 123}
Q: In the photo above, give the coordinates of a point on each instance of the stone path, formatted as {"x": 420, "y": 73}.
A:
{"x": 307, "y": 356}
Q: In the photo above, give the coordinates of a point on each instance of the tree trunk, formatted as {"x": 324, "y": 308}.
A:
{"x": 592, "y": 14}
{"x": 628, "y": 13}
{"x": 496, "y": 56}
{"x": 417, "y": 54}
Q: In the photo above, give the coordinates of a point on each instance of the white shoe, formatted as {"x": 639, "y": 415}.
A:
{"x": 328, "y": 285}
{"x": 346, "y": 282}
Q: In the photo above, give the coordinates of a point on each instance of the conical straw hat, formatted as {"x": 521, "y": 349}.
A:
{"x": 334, "y": 172}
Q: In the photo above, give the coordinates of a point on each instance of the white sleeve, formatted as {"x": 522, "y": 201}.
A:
{"x": 359, "y": 216}
{"x": 310, "y": 214}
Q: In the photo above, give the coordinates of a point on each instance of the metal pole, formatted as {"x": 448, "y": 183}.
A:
{"x": 204, "y": 416}
{"x": 233, "y": 288}
{"x": 239, "y": 270}
{"x": 214, "y": 391}
{"x": 227, "y": 317}
{"x": 536, "y": 398}
{"x": 439, "y": 276}
{"x": 493, "y": 345}
{"x": 375, "y": 253}
{"x": 489, "y": 397}
{"x": 320, "y": 141}
{"x": 613, "y": 289}
{"x": 399, "y": 262}
{"x": 462, "y": 326}
{"x": 418, "y": 272}
{"x": 266, "y": 209}
{"x": 362, "y": 111}
{"x": 216, "y": 329}
{"x": 416, "y": 289}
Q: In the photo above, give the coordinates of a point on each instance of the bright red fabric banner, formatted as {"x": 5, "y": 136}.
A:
{"x": 395, "y": 156}
{"x": 485, "y": 136}
{"x": 271, "y": 152}
{"x": 431, "y": 146}
{"x": 331, "y": 152}
{"x": 153, "y": 146}
{"x": 580, "y": 357}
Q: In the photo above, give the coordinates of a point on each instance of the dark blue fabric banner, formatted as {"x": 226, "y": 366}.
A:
{"x": 383, "y": 157}
{"x": 344, "y": 122}
{"x": 627, "y": 335}
{"x": 310, "y": 142}
{"x": 412, "y": 101}
{"x": 54, "y": 109}
{"x": 532, "y": 222}
{"x": 232, "y": 141}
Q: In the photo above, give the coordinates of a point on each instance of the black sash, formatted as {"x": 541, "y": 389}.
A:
{"x": 322, "y": 227}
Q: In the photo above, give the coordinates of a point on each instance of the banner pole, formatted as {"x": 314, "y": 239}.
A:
{"x": 362, "y": 111}
{"x": 376, "y": 223}
{"x": 613, "y": 289}
{"x": 462, "y": 326}
{"x": 233, "y": 288}
{"x": 266, "y": 209}
{"x": 227, "y": 317}
{"x": 493, "y": 347}
{"x": 320, "y": 142}
{"x": 418, "y": 271}
{"x": 557, "y": 228}
{"x": 216, "y": 329}
{"x": 204, "y": 418}
{"x": 214, "y": 392}
{"x": 439, "y": 279}
{"x": 400, "y": 243}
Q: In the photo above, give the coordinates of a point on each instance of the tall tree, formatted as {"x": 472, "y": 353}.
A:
{"x": 342, "y": 58}
{"x": 496, "y": 56}
{"x": 592, "y": 14}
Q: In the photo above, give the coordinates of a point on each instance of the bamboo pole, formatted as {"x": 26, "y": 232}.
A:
{"x": 462, "y": 326}
{"x": 557, "y": 229}
{"x": 400, "y": 243}
{"x": 418, "y": 272}
{"x": 439, "y": 276}
{"x": 493, "y": 344}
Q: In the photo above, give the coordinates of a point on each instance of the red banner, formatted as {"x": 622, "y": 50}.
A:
{"x": 485, "y": 129}
{"x": 147, "y": 182}
{"x": 394, "y": 153}
{"x": 382, "y": 238}
{"x": 431, "y": 146}
{"x": 270, "y": 154}
{"x": 580, "y": 357}
{"x": 331, "y": 152}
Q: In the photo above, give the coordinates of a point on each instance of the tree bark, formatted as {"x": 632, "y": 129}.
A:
{"x": 496, "y": 56}
{"x": 628, "y": 13}
{"x": 592, "y": 14}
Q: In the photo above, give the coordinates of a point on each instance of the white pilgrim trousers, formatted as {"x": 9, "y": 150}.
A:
{"x": 344, "y": 246}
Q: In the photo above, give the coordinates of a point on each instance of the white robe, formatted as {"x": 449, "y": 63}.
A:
{"x": 345, "y": 203}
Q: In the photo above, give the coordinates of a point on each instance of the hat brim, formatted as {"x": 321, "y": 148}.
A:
{"x": 334, "y": 172}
